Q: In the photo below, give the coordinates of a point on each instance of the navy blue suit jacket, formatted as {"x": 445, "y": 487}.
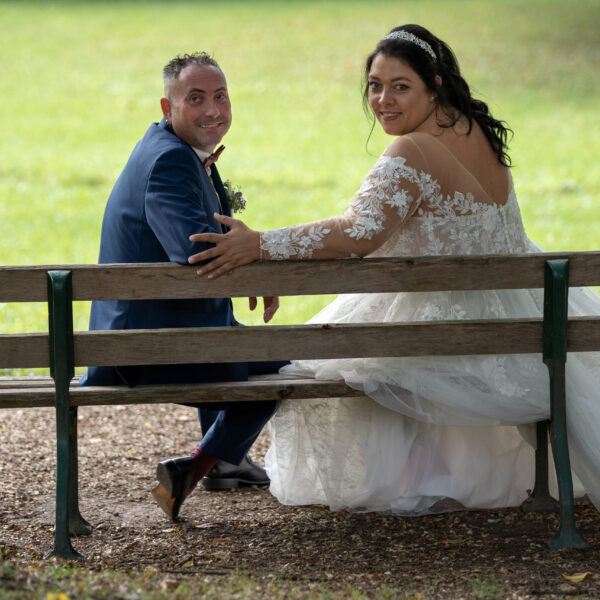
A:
{"x": 162, "y": 196}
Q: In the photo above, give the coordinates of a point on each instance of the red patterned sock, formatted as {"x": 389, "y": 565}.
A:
{"x": 204, "y": 463}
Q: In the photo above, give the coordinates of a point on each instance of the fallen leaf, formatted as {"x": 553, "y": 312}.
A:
{"x": 577, "y": 577}
{"x": 204, "y": 525}
{"x": 169, "y": 584}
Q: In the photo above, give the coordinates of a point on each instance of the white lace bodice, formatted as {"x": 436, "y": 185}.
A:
{"x": 460, "y": 225}
{"x": 401, "y": 209}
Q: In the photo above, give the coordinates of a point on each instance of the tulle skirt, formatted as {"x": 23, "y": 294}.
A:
{"x": 432, "y": 429}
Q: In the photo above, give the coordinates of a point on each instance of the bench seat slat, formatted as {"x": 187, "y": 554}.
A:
{"x": 26, "y": 381}
{"x": 276, "y": 388}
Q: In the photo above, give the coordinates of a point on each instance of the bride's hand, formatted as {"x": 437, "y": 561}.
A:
{"x": 237, "y": 247}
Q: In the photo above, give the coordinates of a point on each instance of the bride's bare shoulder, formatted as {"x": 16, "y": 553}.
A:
{"x": 417, "y": 147}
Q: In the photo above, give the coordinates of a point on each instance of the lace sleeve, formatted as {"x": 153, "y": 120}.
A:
{"x": 390, "y": 194}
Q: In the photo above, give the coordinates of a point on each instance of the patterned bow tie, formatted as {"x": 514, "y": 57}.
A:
{"x": 212, "y": 158}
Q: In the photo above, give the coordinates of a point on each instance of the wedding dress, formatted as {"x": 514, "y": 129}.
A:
{"x": 429, "y": 428}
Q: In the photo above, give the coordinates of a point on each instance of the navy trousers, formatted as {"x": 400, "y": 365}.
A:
{"x": 230, "y": 428}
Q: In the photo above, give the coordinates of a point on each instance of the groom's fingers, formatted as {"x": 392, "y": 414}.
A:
{"x": 204, "y": 255}
{"x": 212, "y": 267}
{"x": 224, "y": 219}
{"x": 211, "y": 238}
{"x": 217, "y": 268}
{"x": 271, "y": 305}
{"x": 222, "y": 258}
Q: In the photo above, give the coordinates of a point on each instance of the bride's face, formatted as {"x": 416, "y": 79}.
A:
{"x": 399, "y": 98}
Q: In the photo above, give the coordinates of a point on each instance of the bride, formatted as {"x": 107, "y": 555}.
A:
{"x": 430, "y": 428}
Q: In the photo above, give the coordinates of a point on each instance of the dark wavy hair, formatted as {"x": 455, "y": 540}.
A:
{"x": 454, "y": 96}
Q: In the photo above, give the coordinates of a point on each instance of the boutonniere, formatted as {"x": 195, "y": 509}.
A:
{"x": 237, "y": 200}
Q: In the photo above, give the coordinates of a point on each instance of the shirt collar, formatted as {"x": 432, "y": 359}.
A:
{"x": 201, "y": 154}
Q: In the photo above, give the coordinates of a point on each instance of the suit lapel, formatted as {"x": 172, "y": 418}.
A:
{"x": 220, "y": 189}
{"x": 216, "y": 185}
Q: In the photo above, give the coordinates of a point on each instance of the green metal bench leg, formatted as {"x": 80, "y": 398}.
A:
{"x": 77, "y": 524}
{"x": 555, "y": 358}
{"x": 60, "y": 317}
{"x": 567, "y": 536}
{"x": 540, "y": 499}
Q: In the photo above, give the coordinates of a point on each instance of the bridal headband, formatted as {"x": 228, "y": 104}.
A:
{"x": 409, "y": 37}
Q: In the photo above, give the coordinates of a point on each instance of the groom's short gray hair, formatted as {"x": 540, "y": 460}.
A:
{"x": 173, "y": 68}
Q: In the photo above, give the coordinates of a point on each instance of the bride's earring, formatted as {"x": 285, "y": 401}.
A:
{"x": 431, "y": 98}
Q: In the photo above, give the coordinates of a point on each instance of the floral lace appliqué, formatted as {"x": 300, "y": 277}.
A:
{"x": 284, "y": 243}
{"x": 459, "y": 224}
{"x": 382, "y": 186}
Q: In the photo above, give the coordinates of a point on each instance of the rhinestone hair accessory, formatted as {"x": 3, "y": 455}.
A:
{"x": 413, "y": 39}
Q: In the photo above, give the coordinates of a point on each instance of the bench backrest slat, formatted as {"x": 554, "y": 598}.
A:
{"x": 226, "y": 344}
{"x": 167, "y": 280}
{"x": 303, "y": 341}
{"x": 24, "y": 350}
{"x": 315, "y": 341}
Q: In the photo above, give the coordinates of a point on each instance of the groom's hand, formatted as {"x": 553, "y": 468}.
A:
{"x": 239, "y": 246}
{"x": 271, "y": 305}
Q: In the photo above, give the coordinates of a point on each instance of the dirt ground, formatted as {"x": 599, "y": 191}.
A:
{"x": 247, "y": 530}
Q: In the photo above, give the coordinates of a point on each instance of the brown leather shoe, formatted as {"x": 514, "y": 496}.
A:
{"x": 176, "y": 483}
{"x": 163, "y": 499}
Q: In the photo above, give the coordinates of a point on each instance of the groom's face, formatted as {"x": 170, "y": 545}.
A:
{"x": 197, "y": 106}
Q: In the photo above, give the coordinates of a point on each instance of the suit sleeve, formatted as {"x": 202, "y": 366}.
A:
{"x": 178, "y": 203}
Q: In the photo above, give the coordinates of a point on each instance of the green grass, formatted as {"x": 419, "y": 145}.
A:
{"x": 31, "y": 580}
{"x": 487, "y": 588}
{"x": 81, "y": 82}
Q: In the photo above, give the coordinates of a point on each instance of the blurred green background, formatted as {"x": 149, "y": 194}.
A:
{"x": 81, "y": 81}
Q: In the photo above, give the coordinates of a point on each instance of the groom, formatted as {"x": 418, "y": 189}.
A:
{"x": 169, "y": 189}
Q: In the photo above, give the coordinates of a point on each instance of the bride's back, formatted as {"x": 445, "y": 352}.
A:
{"x": 474, "y": 153}
{"x": 458, "y": 160}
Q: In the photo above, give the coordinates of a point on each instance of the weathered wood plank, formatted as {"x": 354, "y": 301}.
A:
{"x": 25, "y": 350}
{"x": 23, "y": 284}
{"x": 353, "y": 340}
{"x": 167, "y": 280}
{"x": 24, "y": 397}
{"x": 226, "y": 344}
{"x": 583, "y": 334}
{"x": 26, "y": 381}
{"x": 244, "y": 391}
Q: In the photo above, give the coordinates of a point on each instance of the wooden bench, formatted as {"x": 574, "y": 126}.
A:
{"x": 62, "y": 350}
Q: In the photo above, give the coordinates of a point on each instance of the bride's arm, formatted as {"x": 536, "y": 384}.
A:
{"x": 389, "y": 195}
